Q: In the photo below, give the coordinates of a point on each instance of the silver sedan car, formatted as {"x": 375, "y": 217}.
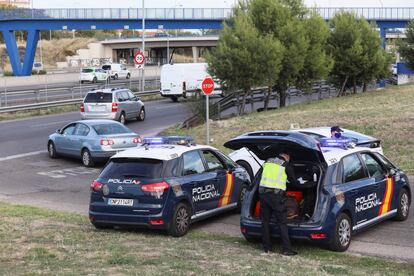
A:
{"x": 91, "y": 140}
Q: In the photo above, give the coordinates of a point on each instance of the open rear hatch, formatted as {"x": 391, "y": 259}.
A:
{"x": 306, "y": 159}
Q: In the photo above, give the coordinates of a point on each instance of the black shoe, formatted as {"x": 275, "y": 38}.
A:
{"x": 289, "y": 253}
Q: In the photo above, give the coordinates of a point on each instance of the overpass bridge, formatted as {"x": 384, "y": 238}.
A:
{"x": 36, "y": 20}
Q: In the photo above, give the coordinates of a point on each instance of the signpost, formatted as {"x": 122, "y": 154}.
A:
{"x": 207, "y": 86}
{"x": 139, "y": 58}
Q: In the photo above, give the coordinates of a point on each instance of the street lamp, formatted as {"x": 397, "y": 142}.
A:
{"x": 143, "y": 44}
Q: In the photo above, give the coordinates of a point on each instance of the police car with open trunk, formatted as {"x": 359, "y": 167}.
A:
{"x": 340, "y": 191}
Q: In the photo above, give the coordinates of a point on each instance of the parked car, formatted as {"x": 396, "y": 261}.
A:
{"x": 93, "y": 75}
{"x": 340, "y": 190}
{"x": 251, "y": 163}
{"x": 113, "y": 103}
{"x": 167, "y": 183}
{"x": 91, "y": 141}
{"x": 116, "y": 70}
{"x": 37, "y": 66}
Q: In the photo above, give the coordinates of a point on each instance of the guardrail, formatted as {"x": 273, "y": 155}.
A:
{"x": 52, "y": 94}
{"x": 371, "y": 13}
{"x": 59, "y": 103}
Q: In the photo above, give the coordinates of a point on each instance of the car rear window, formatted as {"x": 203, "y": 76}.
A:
{"x": 106, "y": 129}
{"x": 126, "y": 168}
{"x": 106, "y": 67}
{"x": 98, "y": 97}
{"x": 87, "y": 70}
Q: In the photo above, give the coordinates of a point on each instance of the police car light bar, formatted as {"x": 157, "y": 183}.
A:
{"x": 335, "y": 143}
{"x": 175, "y": 140}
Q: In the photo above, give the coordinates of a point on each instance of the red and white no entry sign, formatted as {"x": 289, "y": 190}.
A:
{"x": 139, "y": 58}
{"x": 207, "y": 86}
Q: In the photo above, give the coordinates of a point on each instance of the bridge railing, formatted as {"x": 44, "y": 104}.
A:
{"x": 388, "y": 13}
{"x": 153, "y": 13}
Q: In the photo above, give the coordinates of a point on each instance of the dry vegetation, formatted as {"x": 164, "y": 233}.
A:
{"x": 387, "y": 114}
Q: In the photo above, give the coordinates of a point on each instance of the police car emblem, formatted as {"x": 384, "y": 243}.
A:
{"x": 105, "y": 190}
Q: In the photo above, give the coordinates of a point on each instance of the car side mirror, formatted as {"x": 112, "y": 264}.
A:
{"x": 58, "y": 130}
{"x": 391, "y": 172}
{"x": 230, "y": 167}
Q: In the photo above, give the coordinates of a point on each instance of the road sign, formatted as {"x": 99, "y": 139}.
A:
{"x": 207, "y": 86}
{"x": 139, "y": 58}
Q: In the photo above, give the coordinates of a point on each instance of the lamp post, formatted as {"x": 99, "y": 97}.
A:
{"x": 143, "y": 44}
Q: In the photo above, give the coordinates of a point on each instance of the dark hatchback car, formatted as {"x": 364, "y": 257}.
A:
{"x": 166, "y": 186}
{"x": 342, "y": 190}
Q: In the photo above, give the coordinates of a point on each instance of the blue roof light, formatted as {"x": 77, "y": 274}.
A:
{"x": 171, "y": 140}
{"x": 335, "y": 143}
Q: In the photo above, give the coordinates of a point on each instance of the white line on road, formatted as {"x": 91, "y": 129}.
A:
{"x": 21, "y": 155}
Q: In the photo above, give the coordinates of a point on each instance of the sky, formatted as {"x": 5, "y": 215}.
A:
{"x": 206, "y": 4}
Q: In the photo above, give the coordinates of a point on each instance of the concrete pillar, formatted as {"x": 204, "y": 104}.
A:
{"x": 196, "y": 53}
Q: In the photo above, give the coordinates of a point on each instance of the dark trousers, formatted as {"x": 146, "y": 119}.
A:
{"x": 273, "y": 203}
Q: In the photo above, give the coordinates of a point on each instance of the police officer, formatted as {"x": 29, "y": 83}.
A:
{"x": 272, "y": 189}
{"x": 336, "y": 132}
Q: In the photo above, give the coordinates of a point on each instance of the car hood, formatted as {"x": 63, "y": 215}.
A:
{"x": 268, "y": 144}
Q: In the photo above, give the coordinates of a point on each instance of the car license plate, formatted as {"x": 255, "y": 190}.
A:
{"x": 120, "y": 202}
{"x": 99, "y": 108}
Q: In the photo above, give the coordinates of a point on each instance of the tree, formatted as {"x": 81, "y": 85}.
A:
{"x": 406, "y": 46}
{"x": 344, "y": 45}
{"x": 233, "y": 61}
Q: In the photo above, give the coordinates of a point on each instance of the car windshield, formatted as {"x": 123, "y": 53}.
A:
{"x": 126, "y": 168}
{"x": 107, "y": 129}
{"x": 98, "y": 97}
{"x": 106, "y": 67}
{"x": 87, "y": 70}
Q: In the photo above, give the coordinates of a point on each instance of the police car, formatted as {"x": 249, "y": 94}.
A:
{"x": 341, "y": 192}
{"x": 167, "y": 183}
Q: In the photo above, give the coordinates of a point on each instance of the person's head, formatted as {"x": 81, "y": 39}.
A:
{"x": 336, "y": 132}
{"x": 285, "y": 155}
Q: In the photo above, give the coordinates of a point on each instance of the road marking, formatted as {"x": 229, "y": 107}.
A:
{"x": 167, "y": 107}
{"x": 69, "y": 172}
{"x": 21, "y": 155}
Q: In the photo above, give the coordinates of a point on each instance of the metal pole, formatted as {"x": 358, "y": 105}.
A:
{"x": 207, "y": 122}
{"x": 168, "y": 48}
{"x": 143, "y": 44}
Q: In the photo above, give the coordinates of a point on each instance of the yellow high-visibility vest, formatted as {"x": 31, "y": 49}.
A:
{"x": 273, "y": 176}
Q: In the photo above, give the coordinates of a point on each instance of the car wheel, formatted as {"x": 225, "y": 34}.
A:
{"x": 174, "y": 99}
{"x": 141, "y": 116}
{"x": 122, "y": 118}
{"x": 342, "y": 236}
{"x": 95, "y": 80}
{"x": 247, "y": 167}
{"x": 87, "y": 160}
{"x": 116, "y": 77}
{"x": 101, "y": 226}
{"x": 51, "y": 149}
{"x": 404, "y": 201}
{"x": 181, "y": 220}
{"x": 241, "y": 197}
{"x": 128, "y": 76}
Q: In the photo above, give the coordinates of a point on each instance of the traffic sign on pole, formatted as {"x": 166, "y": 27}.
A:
{"x": 207, "y": 86}
{"x": 139, "y": 58}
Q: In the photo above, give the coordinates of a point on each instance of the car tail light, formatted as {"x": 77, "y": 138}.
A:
{"x": 107, "y": 142}
{"x": 156, "y": 221}
{"x": 82, "y": 108}
{"x": 160, "y": 187}
{"x": 243, "y": 230}
{"x": 114, "y": 107}
{"x": 137, "y": 140}
{"x": 316, "y": 236}
{"x": 96, "y": 186}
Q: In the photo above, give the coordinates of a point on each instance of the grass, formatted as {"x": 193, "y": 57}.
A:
{"x": 386, "y": 114}
{"x": 43, "y": 242}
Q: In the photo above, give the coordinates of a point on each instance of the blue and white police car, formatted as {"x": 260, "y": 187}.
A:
{"x": 167, "y": 183}
{"x": 340, "y": 190}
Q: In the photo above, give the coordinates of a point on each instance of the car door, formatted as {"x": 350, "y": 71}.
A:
{"x": 78, "y": 138}
{"x": 356, "y": 186}
{"x": 63, "y": 140}
{"x": 382, "y": 186}
{"x": 197, "y": 181}
{"x": 128, "y": 105}
{"x": 218, "y": 176}
{"x": 135, "y": 104}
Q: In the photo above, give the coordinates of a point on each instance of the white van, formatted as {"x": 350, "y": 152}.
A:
{"x": 116, "y": 70}
{"x": 179, "y": 79}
